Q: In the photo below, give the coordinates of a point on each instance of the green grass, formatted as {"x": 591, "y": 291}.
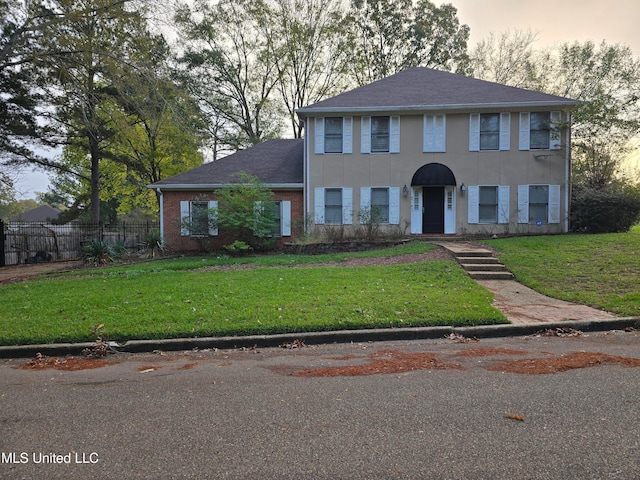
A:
{"x": 273, "y": 260}
{"x": 175, "y": 298}
{"x": 601, "y": 271}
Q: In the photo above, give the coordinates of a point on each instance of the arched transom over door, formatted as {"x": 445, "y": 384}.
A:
{"x": 433, "y": 201}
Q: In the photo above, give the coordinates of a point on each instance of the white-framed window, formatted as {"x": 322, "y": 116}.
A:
{"x": 434, "y": 134}
{"x": 488, "y": 203}
{"x": 539, "y": 131}
{"x": 333, "y": 135}
{"x": 333, "y": 206}
{"x": 381, "y": 202}
{"x": 538, "y": 204}
{"x": 489, "y": 131}
{"x": 380, "y": 134}
{"x": 198, "y": 218}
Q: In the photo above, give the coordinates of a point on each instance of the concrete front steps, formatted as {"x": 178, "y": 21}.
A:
{"x": 478, "y": 262}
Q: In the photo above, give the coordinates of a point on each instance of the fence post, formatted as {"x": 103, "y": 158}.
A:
{"x": 3, "y": 237}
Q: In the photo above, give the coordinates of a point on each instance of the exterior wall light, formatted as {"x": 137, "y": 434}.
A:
{"x": 405, "y": 191}
{"x": 462, "y": 189}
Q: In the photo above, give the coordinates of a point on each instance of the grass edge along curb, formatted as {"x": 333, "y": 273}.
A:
{"x": 315, "y": 338}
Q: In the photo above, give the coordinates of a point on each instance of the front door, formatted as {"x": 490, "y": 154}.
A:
{"x": 433, "y": 211}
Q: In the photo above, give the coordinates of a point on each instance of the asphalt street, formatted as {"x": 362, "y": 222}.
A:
{"x": 436, "y": 409}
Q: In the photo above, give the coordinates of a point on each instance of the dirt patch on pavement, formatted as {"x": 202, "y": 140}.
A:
{"x": 394, "y": 361}
{"x": 538, "y": 366}
{"x": 385, "y": 362}
{"x": 42, "y": 362}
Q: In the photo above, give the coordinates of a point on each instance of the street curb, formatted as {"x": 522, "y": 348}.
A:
{"x": 315, "y": 338}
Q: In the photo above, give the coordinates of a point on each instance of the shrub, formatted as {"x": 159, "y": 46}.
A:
{"x": 606, "y": 210}
{"x": 98, "y": 252}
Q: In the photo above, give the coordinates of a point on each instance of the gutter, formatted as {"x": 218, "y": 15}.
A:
{"x": 501, "y": 106}
{"x": 211, "y": 186}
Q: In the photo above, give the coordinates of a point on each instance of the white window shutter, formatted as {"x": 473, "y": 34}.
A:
{"x": 503, "y": 203}
{"x": 285, "y": 216}
{"x": 184, "y": 218}
{"x": 441, "y": 133}
{"x": 347, "y": 135}
{"x": 347, "y": 206}
{"x": 394, "y": 205}
{"x": 473, "y": 204}
{"x": 213, "y": 217}
{"x": 394, "y": 135}
{"x": 555, "y": 140}
{"x": 318, "y": 206}
{"x": 428, "y": 133}
{"x": 365, "y": 135}
{"x": 318, "y": 136}
{"x": 524, "y": 132}
{"x": 554, "y": 203}
{"x": 505, "y": 131}
{"x": 523, "y": 203}
{"x": 365, "y": 200}
{"x": 474, "y": 132}
{"x": 434, "y": 133}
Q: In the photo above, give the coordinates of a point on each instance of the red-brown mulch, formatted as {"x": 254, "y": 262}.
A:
{"x": 42, "y": 362}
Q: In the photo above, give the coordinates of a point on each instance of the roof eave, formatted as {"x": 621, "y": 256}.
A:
{"x": 214, "y": 186}
{"x": 308, "y": 111}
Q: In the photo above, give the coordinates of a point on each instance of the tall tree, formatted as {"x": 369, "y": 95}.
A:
{"x": 23, "y": 24}
{"x": 606, "y": 79}
{"x": 392, "y": 35}
{"x": 309, "y": 47}
{"x": 157, "y": 126}
{"x": 227, "y": 65}
{"x": 510, "y": 58}
{"x": 85, "y": 52}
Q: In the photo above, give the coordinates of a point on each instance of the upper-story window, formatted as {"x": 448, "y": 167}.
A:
{"x": 434, "y": 133}
{"x": 539, "y": 131}
{"x": 333, "y": 135}
{"x": 380, "y": 134}
{"x": 489, "y": 131}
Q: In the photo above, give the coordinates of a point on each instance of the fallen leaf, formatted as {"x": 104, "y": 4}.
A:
{"x": 515, "y": 416}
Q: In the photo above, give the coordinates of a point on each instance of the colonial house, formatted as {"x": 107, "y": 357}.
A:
{"x": 422, "y": 151}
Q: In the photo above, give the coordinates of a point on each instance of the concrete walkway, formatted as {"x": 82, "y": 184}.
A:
{"x": 522, "y": 305}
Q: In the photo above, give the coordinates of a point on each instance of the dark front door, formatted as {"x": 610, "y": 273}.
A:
{"x": 433, "y": 214}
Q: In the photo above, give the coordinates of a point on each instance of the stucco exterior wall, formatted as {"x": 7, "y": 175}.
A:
{"x": 511, "y": 167}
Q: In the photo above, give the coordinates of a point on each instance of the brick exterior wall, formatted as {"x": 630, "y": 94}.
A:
{"x": 179, "y": 243}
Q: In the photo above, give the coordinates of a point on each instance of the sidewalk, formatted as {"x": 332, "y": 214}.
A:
{"x": 522, "y": 305}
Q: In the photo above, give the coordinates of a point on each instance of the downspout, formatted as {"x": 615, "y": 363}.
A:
{"x": 567, "y": 175}
{"x": 306, "y": 193}
{"x": 161, "y": 202}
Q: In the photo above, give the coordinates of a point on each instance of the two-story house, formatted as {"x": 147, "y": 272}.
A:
{"x": 422, "y": 151}
{"x": 439, "y": 153}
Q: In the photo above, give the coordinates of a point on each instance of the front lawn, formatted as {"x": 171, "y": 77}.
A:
{"x": 176, "y": 298}
{"x": 602, "y": 271}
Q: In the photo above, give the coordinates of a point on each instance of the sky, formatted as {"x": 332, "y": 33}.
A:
{"x": 554, "y": 21}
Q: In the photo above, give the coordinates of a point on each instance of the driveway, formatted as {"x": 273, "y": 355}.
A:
{"x": 530, "y": 407}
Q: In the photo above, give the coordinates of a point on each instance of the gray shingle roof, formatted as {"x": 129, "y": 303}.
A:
{"x": 428, "y": 89}
{"x": 274, "y": 162}
{"x": 42, "y": 213}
